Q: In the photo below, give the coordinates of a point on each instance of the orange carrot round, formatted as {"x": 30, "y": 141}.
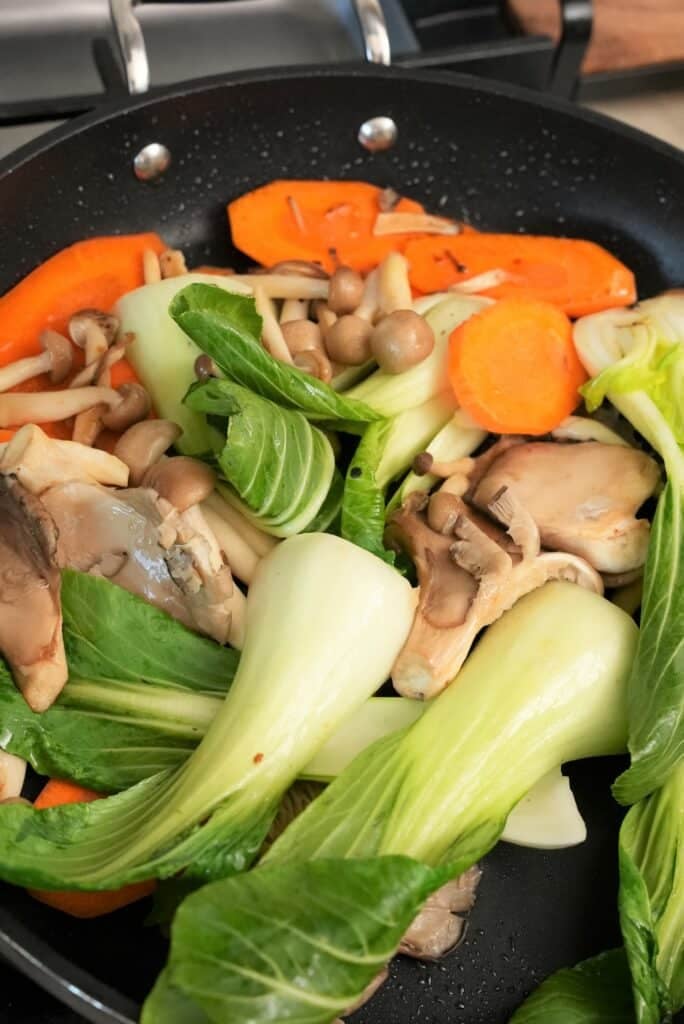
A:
{"x": 514, "y": 369}
{"x": 56, "y": 793}
{"x": 90, "y": 274}
{"x": 326, "y": 221}
{"x": 577, "y": 276}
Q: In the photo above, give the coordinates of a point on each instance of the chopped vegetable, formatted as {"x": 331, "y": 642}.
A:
{"x": 90, "y": 274}
{"x": 578, "y": 277}
{"x": 636, "y": 359}
{"x": 57, "y": 793}
{"x": 330, "y": 222}
{"x": 312, "y": 655}
{"x": 594, "y": 992}
{"x": 514, "y": 369}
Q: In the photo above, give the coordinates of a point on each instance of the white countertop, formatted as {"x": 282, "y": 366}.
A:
{"x": 660, "y": 113}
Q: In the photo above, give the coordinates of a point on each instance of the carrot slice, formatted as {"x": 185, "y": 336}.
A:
{"x": 514, "y": 369}
{"x": 579, "y": 277}
{"x": 326, "y": 221}
{"x": 94, "y": 273}
{"x": 83, "y": 904}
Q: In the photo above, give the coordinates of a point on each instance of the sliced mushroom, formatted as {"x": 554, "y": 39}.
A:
{"x": 438, "y": 928}
{"x": 30, "y": 607}
{"x": 12, "y": 775}
{"x": 56, "y": 360}
{"x": 140, "y": 542}
{"x": 583, "y": 497}
{"x": 39, "y": 462}
{"x": 468, "y": 580}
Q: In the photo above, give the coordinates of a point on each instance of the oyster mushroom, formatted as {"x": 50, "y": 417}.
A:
{"x": 468, "y": 578}
{"x": 140, "y": 542}
{"x": 583, "y": 497}
{"x": 438, "y": 928}
{"x": 39, "y": 462}
{"x": 30, "y": 607}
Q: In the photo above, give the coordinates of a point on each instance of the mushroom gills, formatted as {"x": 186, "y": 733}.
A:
{"x": 583, "y": 497}
{"x": 30, "y": 605}
{"x": 141, "y": 543}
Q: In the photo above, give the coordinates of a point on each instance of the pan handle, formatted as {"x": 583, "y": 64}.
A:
{"x": 374, "y": 29}
{"x": 129, "y": 36}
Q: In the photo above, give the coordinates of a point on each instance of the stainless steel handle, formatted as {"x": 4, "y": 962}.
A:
{"x": 131, "y": 45}
{"x": 374, "y": 29}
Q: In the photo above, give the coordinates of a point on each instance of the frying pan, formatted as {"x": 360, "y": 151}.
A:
{"x": 491, "y": 154}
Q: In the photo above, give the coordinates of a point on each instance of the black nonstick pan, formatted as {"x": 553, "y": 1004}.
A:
{"x": 496, "y": 156}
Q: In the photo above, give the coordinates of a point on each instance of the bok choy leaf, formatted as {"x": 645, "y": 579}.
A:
{"x": 279, "y": 465}
{"x": 227, "y": 327}
{"x": 438, "y": 792}
{"x": 597, "y": 991}
{"x": 325, "y": 621}
{"x": 636, "y": 359}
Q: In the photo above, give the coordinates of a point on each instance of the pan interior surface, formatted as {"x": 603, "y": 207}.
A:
{"x": 497, "y": 157}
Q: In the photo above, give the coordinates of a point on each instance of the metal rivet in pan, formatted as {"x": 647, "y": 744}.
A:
{"x": 151, "y": 162}
{"x": 378, "y": 133}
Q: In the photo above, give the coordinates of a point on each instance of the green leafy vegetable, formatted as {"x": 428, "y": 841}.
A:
{"x": 289, "y": 944}
{"x": 280, "y": 466}
{"x": 313, "y": 654}
{"x": 597, "y": 991}
{"x": 363, "y": 502}
{"x": 228, "y": 329}
{"x": 110, "y": 634}
{"x": 327, "y": 517}
{"x": 652, "y": 900}
{"x": 636, "y": 358}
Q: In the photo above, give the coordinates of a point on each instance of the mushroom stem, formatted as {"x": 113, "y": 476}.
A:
{"x": 143, "y": 444}
{"x": 88, "y": 425}
{"x": 368, "y": 307}
{"x": 394, "y": 285}
{"x": 259, "y": 541}
{"x": 241, "y": 558}
{"x": 237, "y": 604}
{"x": 424, "y": 463}
{"x": 294, "y": 309}
{"x": 151, "y": 268}
{"x": 24, "y": 369}
{"x": 12, "y": 775}
{"x": 286, "y": 286}
{"x": 52, "y": 406}
{"x": 272, "y": 335}
{"x": 394, "y": 223}
{"x": 39, "y": 462}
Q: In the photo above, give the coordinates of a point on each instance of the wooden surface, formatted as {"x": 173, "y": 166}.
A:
{"x": 627, "y": 33}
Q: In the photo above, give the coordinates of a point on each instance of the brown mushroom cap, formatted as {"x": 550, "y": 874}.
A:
{"x": 302, "y": 336}
{"x": 401, "y": 340}
{"x": 134, "y": 406}
{"x": 315, "y": 363}
{"x": 143, "y": 444}
{"x": 346, "y": 291}
{"x": 84, "y": 319}
{"x": 181, "y": 480}
{"x": 61, "y": 352}
{"x": 348, "y": 340}
{"x": 298, "y": 268}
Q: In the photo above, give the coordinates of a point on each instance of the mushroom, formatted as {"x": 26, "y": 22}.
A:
{"x": 393, "y": 223}
{"x": 482, "y": 282}
{"x": 468, "y": 578}
{"x": 294, "y": 309}
{"x": 151, "y": 268}
{"x": 181, "y": 480}
{"x": 346, "y": 291}
{"x": 242, "y": 559}
{"x": 12, "y": 775}
{"x": 16, "y": 409}
{"x": 286, "y": 285}
{"x": 30, "y": 608}
{"x": 93, "y": 331}
{"x": 302, "y": 336}
{"x": 347, "y": 341}
{"x": 424, "y": 463}
{"x": 298, "y": 268}
{"x": 438, "y": 928}
{"x": 134, "y": 405}
{"x": 271, "y": 331}
{"x": 394, "y": 285}
{"x": 143, "y": 444}
{"x": 140, "y": 542}
{"x": 55, "y": 360}
{"x": 172, "y": 263}
{"x": 583, "y": 497}
{"x": 99, "y": 369}
{"x": 39, "y": 462}
{"x": 401, "y": 340}
{"x": 315, "y": 363}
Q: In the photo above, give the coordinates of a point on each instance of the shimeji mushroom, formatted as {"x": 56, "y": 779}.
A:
{"x": 181, "y": 480}
{"x": 16, "y": 409}
{"x": 346, "y": 291}
{"x": 93, "y": 331}
{"x": 39, "y": 462}
{"x": 31, "y": 620}
{"x": 401, "y": 340}
{"x": 469, "y": 576}
{"x": 583, "y": 497}
{"x": 143, "y": 444}
{"x": 56, "y": 360}
{"x": 347, "y": 340}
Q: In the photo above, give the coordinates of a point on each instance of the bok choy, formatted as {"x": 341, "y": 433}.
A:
{"x": 325, "y": 621}
{"x": 636, "y": 359}
{"x": 338, "y": 881}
